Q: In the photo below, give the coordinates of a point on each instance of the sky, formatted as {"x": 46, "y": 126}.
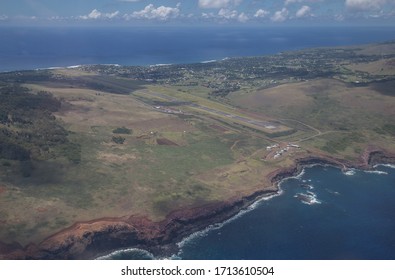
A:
{"x": 184, "y": 12}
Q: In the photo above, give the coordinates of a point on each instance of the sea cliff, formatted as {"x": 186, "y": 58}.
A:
{"x": 91, "y": 239}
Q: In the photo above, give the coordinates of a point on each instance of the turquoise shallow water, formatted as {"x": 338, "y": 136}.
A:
{"x": 322, "y": 214}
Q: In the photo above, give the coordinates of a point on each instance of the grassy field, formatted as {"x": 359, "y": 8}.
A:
{"x": 126, "y": 155}
{"x": 141, "y": 176}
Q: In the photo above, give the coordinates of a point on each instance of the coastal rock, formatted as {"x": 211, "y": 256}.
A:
{"x": 87, "y": 240}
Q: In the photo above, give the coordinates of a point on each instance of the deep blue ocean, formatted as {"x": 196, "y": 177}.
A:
{"x": 349, "y": 216}
{"x": 346, "y": 216}
{"x": 42, "y": 47}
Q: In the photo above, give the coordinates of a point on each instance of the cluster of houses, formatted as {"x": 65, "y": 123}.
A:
{"x": 281, "y": 151}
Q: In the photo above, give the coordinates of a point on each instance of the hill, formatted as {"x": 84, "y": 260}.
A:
{"x": 102, "y": 157}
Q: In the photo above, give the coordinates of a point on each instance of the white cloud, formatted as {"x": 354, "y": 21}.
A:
{"x": 280, "y": 16}
{"x": 57, "y": 18}
{"x": 339, "y": 17}
{"x": 261, "y": 13}
{"x": 243, "y": 17}
{"x": 159, "y": 13}
{"x": 287, "y": 2}
{"x": 3, "y": 17}
{"x": 95, "y": 14}
{"x": 303, "y": 12}
{"x": 217, "y": 4}
{"x": 111, "y": 15}
{"x": 208, "y": 15}
{"x": 228, "y": 14}
{"x": 364, "y": 5}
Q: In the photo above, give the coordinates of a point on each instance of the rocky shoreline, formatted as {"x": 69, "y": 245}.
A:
{"x": 88, "y": 240}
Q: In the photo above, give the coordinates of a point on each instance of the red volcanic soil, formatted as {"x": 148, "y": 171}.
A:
{"x": 88, "y": 240}
{"x": 165, "y": 141}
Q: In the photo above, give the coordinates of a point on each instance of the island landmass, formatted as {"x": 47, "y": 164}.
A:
{"x": 97, "y": 158}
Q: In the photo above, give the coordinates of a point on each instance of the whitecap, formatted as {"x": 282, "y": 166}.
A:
{"x": 376, "y": 172}
{"x": 218, "y": 226}
{"x": 208, "y": 61}
{"x": 160, "y": 65}
{"x": 332, "y": 192}
{"x": 297, "y": 177}
{"x": 308, "y": 198}
{"x": 385, "y": 165}
{"x": 314, "y": 200}
{"x": 176, "y": 257}
{"x": 73, "y": 66}
{"x": 307, "y": 186}
{"x": 349, "y": 172}
{"x": 112, "y": 64}
{"x": 142, "y": 254}
{"x": 49, "y": 68}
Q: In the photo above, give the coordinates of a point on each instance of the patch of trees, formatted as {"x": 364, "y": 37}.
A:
{"x": 13, "y": 151}
{"x": 26, "y": 76}
{"x": 122, "y": 130}
{"x": 118, "y": 139}
{"x": 28, "y": 129}
{"x": 17, "y": 103}
{"x": 225, "y": 90}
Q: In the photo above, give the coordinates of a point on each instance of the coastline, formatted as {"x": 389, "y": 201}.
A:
{"x": 92, "y": 239}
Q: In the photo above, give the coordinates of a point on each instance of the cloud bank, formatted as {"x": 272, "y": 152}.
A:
{"x": 303, "y": 12}
{"x": 160, "y": 13}
{"x": 261, "y": 13}
{"x": 365, "y": 5}
{"x": 218, "y": 4}
{"x": 280, "y": 16}
{"x": 95, "y": 14}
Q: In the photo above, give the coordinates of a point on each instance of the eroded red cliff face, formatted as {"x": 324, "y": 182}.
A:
{"x": 87, "y": 240}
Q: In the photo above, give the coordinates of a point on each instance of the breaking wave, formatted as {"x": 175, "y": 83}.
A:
{"x": 385, "y": 165}
{"x": 217, "y": 226}
{"x": 308, "y": 198}
{"x": 376, "y": 172}
{"x": 349, "y": 172}
{"x": 128, "y": 254}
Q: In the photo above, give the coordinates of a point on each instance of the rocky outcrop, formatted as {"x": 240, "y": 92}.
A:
{"x": 87, "y": 240}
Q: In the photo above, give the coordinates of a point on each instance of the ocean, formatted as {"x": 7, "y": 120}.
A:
{"x": 351, "y": 216}
{"x": 27, "y": 48}
{"x": 321, "y": 214}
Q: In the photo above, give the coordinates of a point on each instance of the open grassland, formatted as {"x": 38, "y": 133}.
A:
{"x": 114, "y": 142}
{"x": 343, "y": 118}
{"x": 165, "y": 162}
